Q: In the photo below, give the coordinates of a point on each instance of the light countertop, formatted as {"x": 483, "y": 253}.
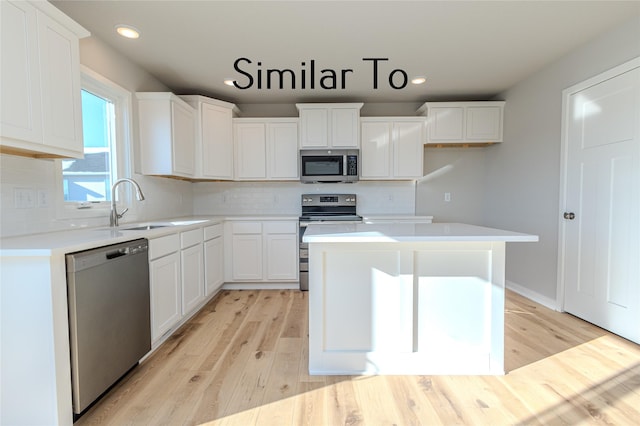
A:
{"x": 72, "y": 240}
{"x": 410, "y": 232}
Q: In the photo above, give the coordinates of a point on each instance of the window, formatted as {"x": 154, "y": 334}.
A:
{"x": 90, "y": 178}
{"x": 85, "y": 184}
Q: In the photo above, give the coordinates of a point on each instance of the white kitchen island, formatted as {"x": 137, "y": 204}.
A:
{"x": 407, "y": 298}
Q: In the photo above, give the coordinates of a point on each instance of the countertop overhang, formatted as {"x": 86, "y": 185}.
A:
{"x": 410, "y": 232}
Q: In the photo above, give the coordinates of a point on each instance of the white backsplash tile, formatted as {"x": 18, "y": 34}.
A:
{"x": 166, "y": 198}
{"x": 248, "y": 198}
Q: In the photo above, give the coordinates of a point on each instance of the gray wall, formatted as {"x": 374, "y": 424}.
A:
{"x": 523, "y": 173}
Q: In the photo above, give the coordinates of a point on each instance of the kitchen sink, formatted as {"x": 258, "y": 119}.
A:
{"x": 143, "y": 227}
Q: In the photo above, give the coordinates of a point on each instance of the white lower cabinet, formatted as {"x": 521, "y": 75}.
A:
{"x": 261, "y": 251}
{"x": 165, "y": 284}
{"x": 281, "y": 241}
{"x": 192, "y": 262}
{"x": 185, "y": 269}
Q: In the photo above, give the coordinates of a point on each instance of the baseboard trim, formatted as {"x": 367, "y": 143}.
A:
{"x": 261, "y": 286}
{"x": 532, "y": 295}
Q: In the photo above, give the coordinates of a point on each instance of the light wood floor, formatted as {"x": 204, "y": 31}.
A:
{"x": 243, "y": 360}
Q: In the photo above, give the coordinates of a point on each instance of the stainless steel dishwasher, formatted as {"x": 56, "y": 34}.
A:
{"x": 109, "y": 320}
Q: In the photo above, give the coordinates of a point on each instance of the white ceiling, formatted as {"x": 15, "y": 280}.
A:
{"x": 466, "y": 49}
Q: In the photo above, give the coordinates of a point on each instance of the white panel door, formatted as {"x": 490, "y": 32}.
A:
{"x": 251, "y": 151}
{"x": 376, "y": 150}
{"x": 164, "y": 276}
{"x": 217, "y": 142}
{"x": 408, "y": 139}
{"x": 183, "y": 139}
{"x": 344, "y": 127}
{"x": 60, "y": 83}
{"x": 282, "y": 259}
{"x": 283, "y": 151}
{"x": 192, "y": 263}
{"x": 602, "y": 203}
{"x": 21, "y": 115}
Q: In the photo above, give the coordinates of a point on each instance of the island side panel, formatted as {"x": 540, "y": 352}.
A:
{"x": 406, "y": 308}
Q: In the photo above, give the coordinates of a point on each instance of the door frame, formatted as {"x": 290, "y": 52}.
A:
{"x": 566, "y": 94}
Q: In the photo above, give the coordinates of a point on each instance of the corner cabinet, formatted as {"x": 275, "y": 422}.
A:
{"x": 266, "y": 148}
{"x": 167, "y": 135}
{"x": 261, "y": 251}
{"x": 392, "y": 148}
{"x": 329, "y": 125}
{"x": 214, "y": 137}
{"x": 213, "y": 259}
{"x": 463, "y": 122}
{"x": 41, "y": 92}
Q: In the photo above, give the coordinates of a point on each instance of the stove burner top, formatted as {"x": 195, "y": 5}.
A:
{"x": 330, "y": 217}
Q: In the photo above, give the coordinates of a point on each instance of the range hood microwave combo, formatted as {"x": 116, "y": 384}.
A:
{"x": 329, "y": 165}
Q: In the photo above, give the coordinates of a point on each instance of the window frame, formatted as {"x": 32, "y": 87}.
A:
{"x": 97, "y": 84}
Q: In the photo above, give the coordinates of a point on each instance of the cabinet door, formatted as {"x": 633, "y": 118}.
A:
{"x": 283, "y": 151}
{"x": 408, "y": 140}
{"x": 344, "y": 128}
{"x": 21, "y": 116}
{"x": 314, "y": 125}
{"x": 246, "y": 257}
{"x": 251, "y": 151}
{"x": 183, "y": 140}
{"x": 213, "y": 265}
{"x": 282, "y": 256}
{"x": 217, "y": 142}
{"x": 446, "y": 124}
{"x": 165, "y": 278}
{"x": 375, "y": 152}
{"x": 59, "y": 54}
{"x": 192, "y": 277}
{"x": 484, "y": 123}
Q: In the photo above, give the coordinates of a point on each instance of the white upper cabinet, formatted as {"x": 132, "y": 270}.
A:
{"x": 214, "y": 137}
{"x": 463, "y": 122}
{"x": 167, "y": 135}
{"x": 41, "y": 93}
{"x": 392, "y": 148}
{"x": 329, "y": 125}
{"x": 266, "y": 148}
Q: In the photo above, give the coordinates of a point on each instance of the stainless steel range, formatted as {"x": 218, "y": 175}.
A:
{"x": 323, "y": 209}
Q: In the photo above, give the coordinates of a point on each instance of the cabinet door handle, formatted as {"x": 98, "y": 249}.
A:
{"x": 569, "y": 215}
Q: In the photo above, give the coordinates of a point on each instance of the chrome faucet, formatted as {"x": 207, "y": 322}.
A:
{"x": 114, "y": 213}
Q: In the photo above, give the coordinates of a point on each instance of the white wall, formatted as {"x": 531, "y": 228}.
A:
{"x": 164, "y": 197}
{"x": 523, "y": 173}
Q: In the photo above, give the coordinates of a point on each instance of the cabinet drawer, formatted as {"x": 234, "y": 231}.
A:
{"x": 190, "y": 238}
{"x": 246, "y": 227}
{"x": 162, "y": 246}
{"x": 281, "y": 227}
{"x": 212, "y": 231}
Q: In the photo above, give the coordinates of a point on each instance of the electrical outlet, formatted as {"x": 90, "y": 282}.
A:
{"x": 447, "y": 197}
{"x": 24, "y": 198}
{"x": 43, "y": 198}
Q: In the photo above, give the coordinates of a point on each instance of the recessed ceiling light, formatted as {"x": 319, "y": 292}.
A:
{"x": 418, "y": 80}
{"x": 127, "y": 31}
{"x": 229, "y": 81}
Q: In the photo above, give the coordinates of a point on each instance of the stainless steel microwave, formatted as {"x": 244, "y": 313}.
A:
{"x": 329, "y": 165}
